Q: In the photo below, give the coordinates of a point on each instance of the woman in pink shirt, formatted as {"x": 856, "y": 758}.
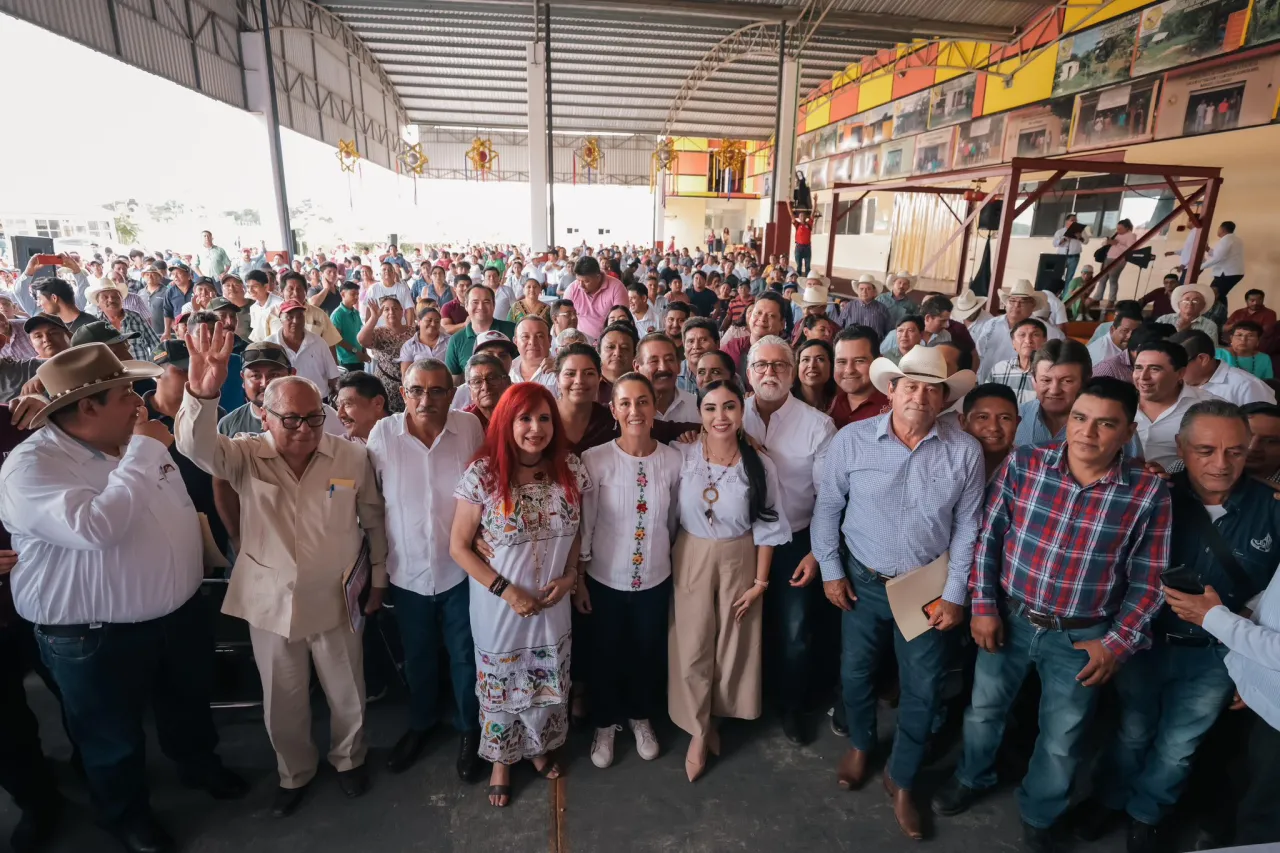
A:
{"x": 1117, "y": 245}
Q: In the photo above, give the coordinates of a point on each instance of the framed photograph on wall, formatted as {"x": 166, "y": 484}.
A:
{"x": 1040, "y": 131}
{"x": 934, "y": 151}
{"x": 897, "y": 158}
{"x": 980, "y": 142}
{"x": 952, "y": 102}
{"x": 805, "y": 146}
{"x": 1120, "y": 114}
{"x": 1097, "y": 56}
{"x": 866, "y": 164}
{"x": 849, "y": 135}
{"x": 911, "y": 115}
{"x": 1242, "y": 94}
{"x": 1264, "y": 21}
{"x": 818, "y": 171}
{"x": 1178, "y": 32}
{"x": 877, "y": 124}
{"x": 826, "y": 142}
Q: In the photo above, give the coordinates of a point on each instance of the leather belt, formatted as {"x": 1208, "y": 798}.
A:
{"x": 1053, "y": 622}
{"x": 68, "y": 630}
{"x": 1189, "y": 642}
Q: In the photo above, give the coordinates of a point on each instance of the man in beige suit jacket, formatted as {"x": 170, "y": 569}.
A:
{"x": 307, "y": 501}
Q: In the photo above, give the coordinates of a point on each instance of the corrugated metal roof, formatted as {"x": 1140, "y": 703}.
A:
{"x": 617, "y": 65}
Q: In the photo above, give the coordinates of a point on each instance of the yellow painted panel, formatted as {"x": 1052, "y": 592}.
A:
{"x": 875, "y": 89}
{"x": 1034, "y": 82}
{"x": 819, "y": 114}
{"x": 1078, "y": 10}
{"x": 691, "y": 143}
{"x": 691, "y": 184}
{"x": 969, "y": 53}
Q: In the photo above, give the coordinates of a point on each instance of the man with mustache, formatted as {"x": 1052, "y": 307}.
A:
{"x": 1059, "y": 370}
{"x": 418, "y": 457}
{"x": 1263, "y": 461}
{"x": 795, "y": 435}
{"x": 657, "y": 359}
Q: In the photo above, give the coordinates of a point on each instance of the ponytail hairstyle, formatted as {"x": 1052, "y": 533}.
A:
{"x": 758, "y": 506}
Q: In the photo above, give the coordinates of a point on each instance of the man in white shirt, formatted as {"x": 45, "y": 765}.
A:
{"x": 1226, "y": 259}
{"x": 657, "y": 359}
{"x": 1069, "y": 244}
{"x": 418, "y": 457}
{"x": 994, "y": 338}
{"x": 307, "y": 352}
{"x": 1190, "y": 304}
{"x": 534, "y": 364}
{"x": 1163, "y": 398}
{"x": 1116, "y": 339}
{"x": 109, "y": 569}
{"x": 264, "y": 303}
{"x": 795, "y": 435}
{"x": 390, "y": 285}
{"x": 647, "y": 316}
{"x": 1216, "y": 377}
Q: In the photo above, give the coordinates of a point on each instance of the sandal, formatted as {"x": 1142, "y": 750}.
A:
{"x": 550, "y": 771}
{"x": 499, "y": 791}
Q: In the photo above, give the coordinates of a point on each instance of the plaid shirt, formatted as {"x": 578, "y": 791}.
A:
{"x": 144, "y": 346}
{"x": 1076, "y": 552}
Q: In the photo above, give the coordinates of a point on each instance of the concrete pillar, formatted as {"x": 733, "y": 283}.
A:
{"x": 660, "y": 211}
{"x": 259, "y": 85}
{"x": 785, "y": 146}
{"x": 539, "y": 180}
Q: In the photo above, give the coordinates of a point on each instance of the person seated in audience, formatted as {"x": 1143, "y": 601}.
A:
{"x": 1242, "y": 350}
{"x": 1218, "y": 378}
{"x": 906, "y": 337}
{"x": 1254, "y": 311}
{"x": 1159, "y": 302}
{"x": 1115, "y": 338}
{"x": 1029, "y": 337}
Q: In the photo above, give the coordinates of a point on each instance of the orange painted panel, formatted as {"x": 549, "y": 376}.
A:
{"x": 915, "y": 72}
{"x": 693, "y": 163}
{"x": 844, "y": 103}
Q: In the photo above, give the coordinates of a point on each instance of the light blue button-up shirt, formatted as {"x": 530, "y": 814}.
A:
{"x": 1254, "y": 659}
{"x": 904, "y": 507}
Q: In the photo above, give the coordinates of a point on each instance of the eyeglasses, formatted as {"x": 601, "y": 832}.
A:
{"x": 483, "y": 381}
{"x": 292, "y": 422}
{"x": 436, "y": 393}
{"x": 770, "y": 366}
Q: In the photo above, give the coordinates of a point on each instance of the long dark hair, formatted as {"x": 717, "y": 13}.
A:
{"x": 829, "y": 388}
{"x": 758, "y": 506}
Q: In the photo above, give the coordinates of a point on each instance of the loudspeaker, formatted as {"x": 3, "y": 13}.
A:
{"x": 22, "y": 248}
{"x": 1050, "y": 272}
{"x": 989, "y": 218}
{"x": 1141, "y": 258}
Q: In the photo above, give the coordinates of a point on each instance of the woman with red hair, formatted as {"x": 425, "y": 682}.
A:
{"x": 523, "y": 493}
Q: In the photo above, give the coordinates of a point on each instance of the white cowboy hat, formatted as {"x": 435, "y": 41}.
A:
{"x": 1024, "y": 287}
{"x": 923, "y": 364}
{"x": 902, "y": 274}
{"x": 966, "y": 305}
{"x": 1203, "y": 289}
{"x": 814, "y": 294}
{"x": 101, "y": 285}
{"x": 868, "y": 278}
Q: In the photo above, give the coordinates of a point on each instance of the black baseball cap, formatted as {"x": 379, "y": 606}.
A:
{"x": 100, "y": 332}
{"x": 173, "y": 352}
{"x": 265, "y": 352}
{"x": 221, "y": 303}
{"x": 42, "y": 319}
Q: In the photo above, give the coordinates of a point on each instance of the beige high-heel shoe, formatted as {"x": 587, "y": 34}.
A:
{"x": 695, "y": 759}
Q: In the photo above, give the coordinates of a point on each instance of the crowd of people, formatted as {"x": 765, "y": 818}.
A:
{"x": 615, "y": 484}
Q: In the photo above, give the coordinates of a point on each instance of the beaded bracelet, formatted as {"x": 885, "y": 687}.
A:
{"x": 499, "y": 585}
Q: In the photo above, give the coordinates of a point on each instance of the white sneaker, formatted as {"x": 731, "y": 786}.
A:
{"x": 646, "y": 740}
{"x": 602, "y": 746}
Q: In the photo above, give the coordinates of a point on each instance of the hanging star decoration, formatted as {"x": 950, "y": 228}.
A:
{"x": 731, "y": 154}
{"x": 414, "y": 160}
{"x": 590, "y": 154}
{"x": 482, "y": 156}
{"x": 347, "y": 154}
{"x": 664, "y": 159}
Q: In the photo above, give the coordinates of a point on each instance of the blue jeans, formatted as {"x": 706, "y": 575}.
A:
{"x": 866, "y": 631}
{"x": 789, "y": 616}
{"x": 1065, "y": 711}
{"x": 1170, "y": 697}
{"x": 108, "y": 676}
{"x": 422, "y": 620}
{"x": 1073, "y": 261}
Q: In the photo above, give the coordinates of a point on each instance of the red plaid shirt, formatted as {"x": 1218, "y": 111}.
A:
{"x": 1075, "y": 551}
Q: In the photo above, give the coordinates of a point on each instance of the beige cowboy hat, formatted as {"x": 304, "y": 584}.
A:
{"x": 868, "y": 278}
{"x": 1024, "y": 287}
{"x": 814, "y": 294}
{"x": 966, "y": 305}
{"x": 901, "y": 274}
{"x": 923, "y": 364}
{"x": 1194, "y": 287}
{"x": 80, "y": 371}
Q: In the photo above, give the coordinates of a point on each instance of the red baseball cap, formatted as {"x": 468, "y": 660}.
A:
{"x": 292, "y": 305}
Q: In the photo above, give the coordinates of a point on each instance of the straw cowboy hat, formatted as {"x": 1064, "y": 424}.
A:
{"x": 102, "y": 285}
{"x": 868, "y": 278}
{"x": 814, "y": 294}
{"x": 1203, "y": 289}
{"x": 1024, "y": 287}
{"x": 80, "y": 371}
{"x": 923, "y": 364}
{"x": 966, "y": 305}
{"x": 902, "y": 274}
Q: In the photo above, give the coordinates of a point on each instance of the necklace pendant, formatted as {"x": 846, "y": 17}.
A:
{"x": 711, "y": 515}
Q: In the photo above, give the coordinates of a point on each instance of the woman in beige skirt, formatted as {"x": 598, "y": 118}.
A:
{"x": 730, "y": 521}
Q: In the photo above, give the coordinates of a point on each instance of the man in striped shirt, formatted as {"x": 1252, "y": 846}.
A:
{"x": 1066, "y": 578}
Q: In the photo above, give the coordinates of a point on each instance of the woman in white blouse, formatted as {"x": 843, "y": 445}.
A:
{"x": 730, "y": 522}
{"x": 628, "y": 524}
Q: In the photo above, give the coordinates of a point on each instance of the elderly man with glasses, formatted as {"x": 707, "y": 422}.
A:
{"x": 310, "y": 514}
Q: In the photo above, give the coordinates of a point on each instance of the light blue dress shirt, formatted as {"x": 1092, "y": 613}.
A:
{"x": 904, "y": 507}
{"x": 1254, "y": 659}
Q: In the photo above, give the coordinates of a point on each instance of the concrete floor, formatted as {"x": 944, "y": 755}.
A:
{"x": 762, "y": 794}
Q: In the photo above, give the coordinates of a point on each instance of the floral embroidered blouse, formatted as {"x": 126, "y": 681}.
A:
{"x": 629, "y": 519}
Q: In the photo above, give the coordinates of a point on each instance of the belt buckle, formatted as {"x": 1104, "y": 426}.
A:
{"x": 1042, "y": 620}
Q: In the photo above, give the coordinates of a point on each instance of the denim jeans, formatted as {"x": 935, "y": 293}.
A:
{"x": 804, "y": 257}
{"x": 1073, "y": 261}
{"x": 866, "y": 631}
{"x": 789, "y": 616}
{"x": 423, "y": 619}
{"x": 628, "y": 631}
{"x": 1170, "y": 697}
{"x": 108, "y": 675}
{"x": 1065, "y": 711}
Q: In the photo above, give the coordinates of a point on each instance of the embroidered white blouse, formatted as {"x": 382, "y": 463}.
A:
{"x": 629, "y": 519}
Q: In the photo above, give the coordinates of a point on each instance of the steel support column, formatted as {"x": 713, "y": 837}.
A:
{"x": 539, "y": 178}
{"x": 260, "y": 87}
